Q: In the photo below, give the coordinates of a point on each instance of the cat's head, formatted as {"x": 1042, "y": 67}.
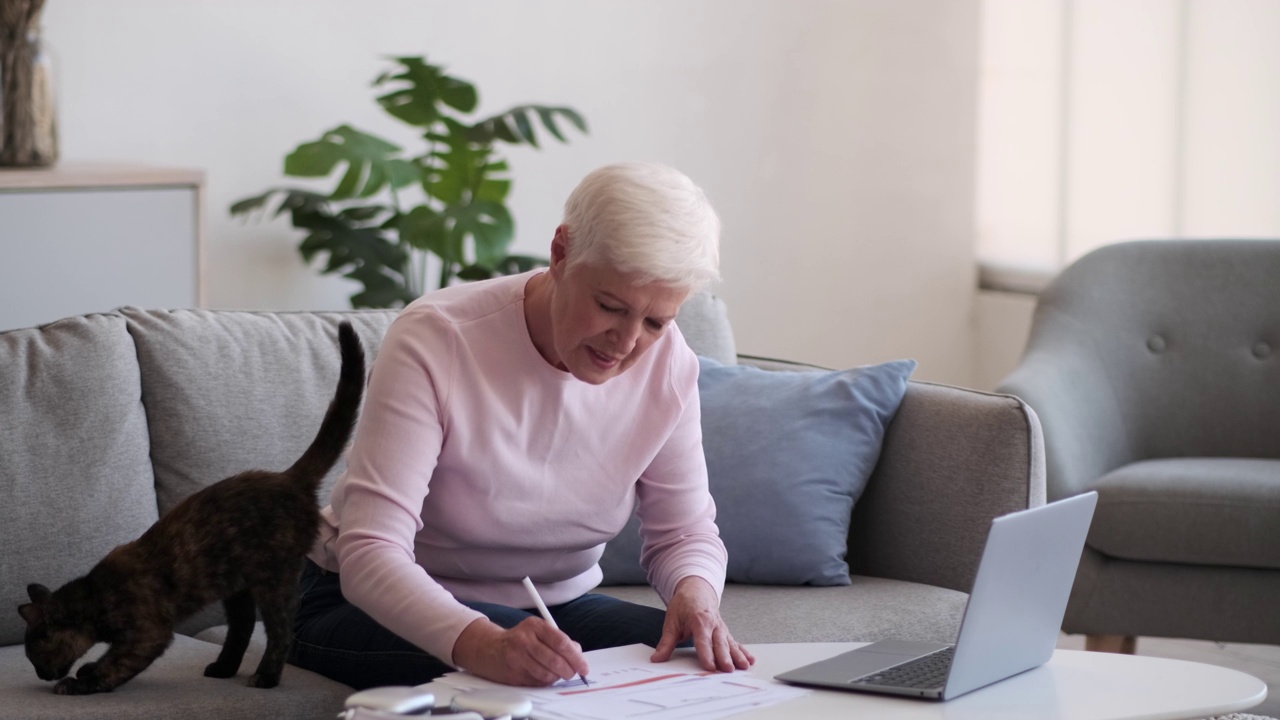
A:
{"x": 53, "y": 644}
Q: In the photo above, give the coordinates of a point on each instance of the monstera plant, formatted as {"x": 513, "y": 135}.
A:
{"x": 392, "y": 209}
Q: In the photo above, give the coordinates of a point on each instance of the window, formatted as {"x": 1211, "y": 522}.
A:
{"x": 1110, "y": 120}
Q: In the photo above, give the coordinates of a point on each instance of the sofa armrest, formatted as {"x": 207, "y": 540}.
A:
{"x": 952, "y": 460}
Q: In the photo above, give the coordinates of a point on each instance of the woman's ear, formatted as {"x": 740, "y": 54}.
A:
{"x": 559, "y": 250}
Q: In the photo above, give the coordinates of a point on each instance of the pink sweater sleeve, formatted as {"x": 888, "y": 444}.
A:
{"x": 380, "y": 500}
{"x": 677, "y": 514}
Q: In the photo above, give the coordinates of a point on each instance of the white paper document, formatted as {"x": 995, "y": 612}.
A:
{"x": 624, "y": 685}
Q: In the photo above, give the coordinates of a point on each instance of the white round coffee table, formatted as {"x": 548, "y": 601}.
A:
{"x": 1074, "y": 685}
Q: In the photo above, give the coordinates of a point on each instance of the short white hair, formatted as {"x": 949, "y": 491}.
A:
{"x": 645, "y": 219}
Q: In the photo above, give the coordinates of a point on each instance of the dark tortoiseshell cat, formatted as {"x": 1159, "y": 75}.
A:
{"x": 241, "y": 541}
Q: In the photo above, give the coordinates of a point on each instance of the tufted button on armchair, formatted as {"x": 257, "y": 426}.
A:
{"x": 1152, "y": 368}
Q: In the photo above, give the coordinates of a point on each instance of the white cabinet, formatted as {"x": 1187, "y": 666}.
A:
{"x": 91, "y": 238}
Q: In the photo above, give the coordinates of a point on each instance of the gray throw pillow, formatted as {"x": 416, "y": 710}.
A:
{"x": 788, "y": 455}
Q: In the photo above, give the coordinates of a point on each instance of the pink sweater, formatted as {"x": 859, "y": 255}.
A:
{"x": 476, "y": 463}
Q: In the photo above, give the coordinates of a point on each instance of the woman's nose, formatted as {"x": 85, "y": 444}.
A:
{"x": 625, "y": 336}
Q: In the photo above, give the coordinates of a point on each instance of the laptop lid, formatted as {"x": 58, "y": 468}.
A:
{"x": 1012, "y": 617}
{"x": 1019, "y": 597}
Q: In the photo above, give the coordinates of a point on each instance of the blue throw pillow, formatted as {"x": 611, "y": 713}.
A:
{"x": 788, "y": 455}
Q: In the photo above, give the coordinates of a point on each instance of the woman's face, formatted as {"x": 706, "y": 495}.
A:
{"x": 602, "y": 321}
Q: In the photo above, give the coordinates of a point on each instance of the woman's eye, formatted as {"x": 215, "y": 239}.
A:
{"x": 609, "y": 309}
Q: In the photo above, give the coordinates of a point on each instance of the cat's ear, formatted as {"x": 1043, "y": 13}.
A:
{"x": 31, "y": 613}
{"x": 38, "y": 592}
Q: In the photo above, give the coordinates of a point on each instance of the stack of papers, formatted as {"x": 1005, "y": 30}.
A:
{"x": 624, "y": 684}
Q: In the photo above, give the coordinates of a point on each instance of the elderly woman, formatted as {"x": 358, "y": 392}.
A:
{"x": 510, "y": 427}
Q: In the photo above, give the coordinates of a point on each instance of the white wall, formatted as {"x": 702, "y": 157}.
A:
{"x": 835, "y": 137}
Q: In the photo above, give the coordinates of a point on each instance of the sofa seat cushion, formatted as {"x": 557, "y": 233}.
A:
{"x": 75, "y": 476}
{"x": 1199, "y": 511}
{"x": 173, "y": 687}
{"x": 867, "y": 610}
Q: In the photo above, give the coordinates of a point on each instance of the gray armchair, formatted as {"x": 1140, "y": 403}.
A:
{"x": 1155, "y": 370}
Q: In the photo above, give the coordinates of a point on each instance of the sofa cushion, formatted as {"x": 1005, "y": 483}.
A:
{"x": 704, "y": 323}
{"x": 227, "y": 391}
{"x": 1196, "y": 511}
{"x": 788, "y": 454}
{"x": 173, "y": 687}
{"x": 74, "y": 471}
{"x": 869, "y": 609}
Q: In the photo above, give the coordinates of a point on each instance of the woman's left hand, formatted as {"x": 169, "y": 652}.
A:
{"x": 694, "y": 611}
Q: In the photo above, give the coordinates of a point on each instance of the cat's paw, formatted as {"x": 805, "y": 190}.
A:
{"x": 215, "y": 670}
{"x": 73, "y": 686}
{"x": 264, "y": 680}
{"x": 86, "y": 670}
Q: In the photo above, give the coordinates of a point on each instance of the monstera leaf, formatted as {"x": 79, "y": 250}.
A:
{"x": 424, "y": 86}
{"x": 371, "y": 163}
{"x": 456, "y": 166}
{"x": 367, "y": 253}
{"x": 488, "y": 225}
{"x": 514, "y": 125}
{"x": 374, "y": 228}
{"x": 509, "y": 265}
{"x": 475, "y": 234}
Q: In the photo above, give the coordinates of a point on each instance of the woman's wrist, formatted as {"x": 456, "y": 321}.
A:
{"x": 697, "y": 584}
{"x": 472, "y": 642}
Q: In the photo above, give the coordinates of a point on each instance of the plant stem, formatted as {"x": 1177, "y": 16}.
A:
{"x": 422, "y": 274}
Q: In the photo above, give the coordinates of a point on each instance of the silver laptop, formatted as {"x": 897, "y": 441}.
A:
{"x": 1010, "y": 623}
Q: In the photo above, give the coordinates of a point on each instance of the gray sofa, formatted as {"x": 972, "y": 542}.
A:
{"x": 108, "y": 420}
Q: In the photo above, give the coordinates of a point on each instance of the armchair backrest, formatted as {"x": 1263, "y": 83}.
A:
{"x": 1162, "y": 349}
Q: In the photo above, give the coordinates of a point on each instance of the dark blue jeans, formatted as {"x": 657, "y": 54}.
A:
{"x": 338, "y": 640}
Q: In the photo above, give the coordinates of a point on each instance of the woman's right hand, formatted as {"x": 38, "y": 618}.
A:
{"x": 531, "y": 654}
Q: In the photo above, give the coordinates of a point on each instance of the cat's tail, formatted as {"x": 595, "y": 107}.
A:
{"x": 340, "y": 418}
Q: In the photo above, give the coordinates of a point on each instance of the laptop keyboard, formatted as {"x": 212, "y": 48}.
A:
{"x": 929, "y": 671}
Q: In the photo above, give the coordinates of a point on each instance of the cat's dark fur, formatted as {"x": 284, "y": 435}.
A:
{"x": 241, "y": 541}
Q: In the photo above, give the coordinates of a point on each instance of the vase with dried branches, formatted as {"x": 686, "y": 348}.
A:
{"x": 28, "y": 118}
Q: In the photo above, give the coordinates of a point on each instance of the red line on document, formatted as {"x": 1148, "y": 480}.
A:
{"x": 622, "y": 685}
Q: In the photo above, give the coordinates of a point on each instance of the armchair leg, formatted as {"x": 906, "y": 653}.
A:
{"x": 1125, "y": 644}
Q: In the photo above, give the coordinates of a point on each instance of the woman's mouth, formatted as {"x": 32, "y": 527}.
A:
{"x": 604, "y": 362}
